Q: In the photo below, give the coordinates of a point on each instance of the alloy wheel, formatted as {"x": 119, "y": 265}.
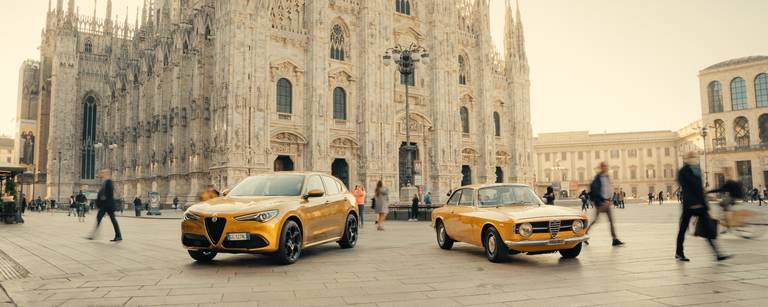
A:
{"x": 293, "y": 243}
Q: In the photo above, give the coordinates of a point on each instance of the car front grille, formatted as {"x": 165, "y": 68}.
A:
{"x": 256, "y": 241}
{"x": 549, "y": 227}
{"x": 215, "y": 227}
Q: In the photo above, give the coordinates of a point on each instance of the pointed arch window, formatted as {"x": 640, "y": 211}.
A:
{"x": 761, "y": 90}
{"x": 339, "y": 104}
{"x": 284, "y": 96}
{"x": 462, "y": 70}
{"x": 88, "y": 48}
{"x": 339, "y": 50}
{"x": 715, "y": 96}
{"x": 403, "y": 7}
{"x": 88, "y": 138}
{"x": 738, "y": 94}
{"x": 464, "y": 113}
{"x": 741, "y": 131}
{"x": 497, "y": 123}
{"x": 719, "y": 140}
{"x": 762, "y": 122}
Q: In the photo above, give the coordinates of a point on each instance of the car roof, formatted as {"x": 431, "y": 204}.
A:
{"x": 488, "y": 185}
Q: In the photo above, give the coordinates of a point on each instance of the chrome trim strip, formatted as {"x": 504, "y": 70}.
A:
{"x": 546, "y": 242}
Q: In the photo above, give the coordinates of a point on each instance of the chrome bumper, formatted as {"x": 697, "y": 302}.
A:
{"x": 547, "y": 242}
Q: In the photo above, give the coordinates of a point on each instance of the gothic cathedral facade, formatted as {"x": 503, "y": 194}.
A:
{"x": 203, "y": 91}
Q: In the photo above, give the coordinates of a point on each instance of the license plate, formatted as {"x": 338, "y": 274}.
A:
{"x": 238, "y": 236}
{"x": 555, "y": 242}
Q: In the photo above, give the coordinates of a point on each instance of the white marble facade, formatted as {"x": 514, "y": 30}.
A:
{"x": 187, "y": 94}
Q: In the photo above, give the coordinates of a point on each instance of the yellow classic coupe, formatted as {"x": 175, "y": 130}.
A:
{"x": 508, "y": 219}
{"x": 278, "y": 214}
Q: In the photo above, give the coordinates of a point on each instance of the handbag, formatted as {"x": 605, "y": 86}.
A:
{"x": 706, "y": 227}
{"x": 373, "y": 203}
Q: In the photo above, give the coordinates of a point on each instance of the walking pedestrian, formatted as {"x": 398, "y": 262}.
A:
{"x": 650, "y": 198}
{"x": 584, "y": 200}
{"x": 694, "y": 204}
{"x": 106, "y": 204}
{"x": 414, "y": 209}
{"x": 175, "y": 202}
{"x": 137, "y": 206}
{"x": 550, "y": 196}
{"x": 359, "y": 194}
{"x": 661, "y": 198}
{"x": 382, "y": 204}
{"x": 72, "y": 206}
{"x": 23, "y": 204}
{"x": 759, "y": 196}
{"x": 601, "y": 192}
{"x": 622, "y": 196}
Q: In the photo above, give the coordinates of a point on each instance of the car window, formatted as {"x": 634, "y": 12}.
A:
{"x": 454, "y": 200}
{"x": 466, "y": 198}
{"x": 315, "y": 182}
{"x": 507, "y": 196}
{"x": 331, "y": 186}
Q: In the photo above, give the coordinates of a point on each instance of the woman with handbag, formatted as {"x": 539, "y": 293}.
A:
{"x": 695, "y": 204}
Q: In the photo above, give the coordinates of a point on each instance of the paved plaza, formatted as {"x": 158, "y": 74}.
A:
{"x": 401, "y": 266}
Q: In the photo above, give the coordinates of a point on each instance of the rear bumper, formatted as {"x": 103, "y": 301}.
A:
{"x": 547, "y": 243}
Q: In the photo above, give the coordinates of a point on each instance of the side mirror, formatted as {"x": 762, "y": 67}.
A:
{"x": 225, "y": 192}
{"x": 314, "y": 193}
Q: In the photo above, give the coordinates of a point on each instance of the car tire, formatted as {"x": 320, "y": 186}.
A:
{"x": 495, "y": 249}
{"x": 571, "y": 252}
{"x": 443, "y": 240}
{"x": 202, "y": 255}
{"x": 290, "y": 243}
{"x": 349, "y": 239}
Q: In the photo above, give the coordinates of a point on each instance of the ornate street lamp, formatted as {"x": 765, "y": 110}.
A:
{"x": 406, "y": 59}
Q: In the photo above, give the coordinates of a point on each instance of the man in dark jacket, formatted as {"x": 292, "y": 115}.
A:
{"x": 694, "y": 204}
{"x": 105, "y": 201}
{"x": 601, "y": 193}
{"x": 137, "y": 206}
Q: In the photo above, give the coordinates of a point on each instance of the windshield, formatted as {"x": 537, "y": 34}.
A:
{"x": 507, "y": 196}
{"x": 269, "y": 185}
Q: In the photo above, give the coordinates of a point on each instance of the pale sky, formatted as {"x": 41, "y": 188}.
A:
{"x": 598, "y": 65}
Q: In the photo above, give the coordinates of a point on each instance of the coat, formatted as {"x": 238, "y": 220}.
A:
{"x": 692, "y": 190}
{"x": 106, "y": 196}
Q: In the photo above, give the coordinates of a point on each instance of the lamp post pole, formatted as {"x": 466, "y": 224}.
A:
{"x": 406, "y": 59}
{"x": 58, "y": 180}
{"x": 704, "y": 133}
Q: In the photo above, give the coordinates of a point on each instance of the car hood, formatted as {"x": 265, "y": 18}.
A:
{"x": 534, "y": 212}
{"x": 228, "y": 205}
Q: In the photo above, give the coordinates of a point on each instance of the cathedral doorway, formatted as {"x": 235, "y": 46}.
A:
{"x": 466, "y": 175}
{"x": 284, "y": 164}
{"x": 340, "y": 169}
{"x": 406, "y": 162}
{"x": 499, "y": 175}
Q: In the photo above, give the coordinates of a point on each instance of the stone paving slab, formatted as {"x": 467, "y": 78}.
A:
{"x": 401, "y": 266}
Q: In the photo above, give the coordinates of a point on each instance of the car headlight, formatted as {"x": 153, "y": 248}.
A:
{"x": 577, "y": 226}
{"x": 189, "y": 216}
{"x": 258, "y": 217}
{"x": 525, "y": 230}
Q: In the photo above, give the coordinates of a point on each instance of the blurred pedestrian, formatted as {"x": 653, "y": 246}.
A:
{"x": 175, "y": 202}
{"x": 694, "y": 204}
{"x": 622, "y": 197}
{"x": 72, "y": 206}
{"x": 428, "y": 199}
{"x": 137, "y": 206}
{"x": 661, "y": 198}
{"x": 359, "y": 194}
{"x": 209, "y": 193}
{"x": 414, "y": 209}
{"x": 650, "y": 198}
{"x": 601, "y": 192}
{"x": 106, "y": 203}
{"x": 584, "y": 200}
{"x": 550, "y": 195}
{"x": 23, "y": 204}
{"x": 382, "y": 204}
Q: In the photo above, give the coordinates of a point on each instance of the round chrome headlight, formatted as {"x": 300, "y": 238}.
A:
{"x": 525, "y": 230}
{"x": 577, "y": 226}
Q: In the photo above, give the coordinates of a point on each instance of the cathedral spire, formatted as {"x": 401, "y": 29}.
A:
{"x": 49, "y": 6}
{"x": 509, "y": 31}
{"x": 144, "y": 13}
{"x": 520, "y": 36}
{"x": 109, "y": 10}
{"x": 71, "y": 8}
{"x": 59, "y": 6}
